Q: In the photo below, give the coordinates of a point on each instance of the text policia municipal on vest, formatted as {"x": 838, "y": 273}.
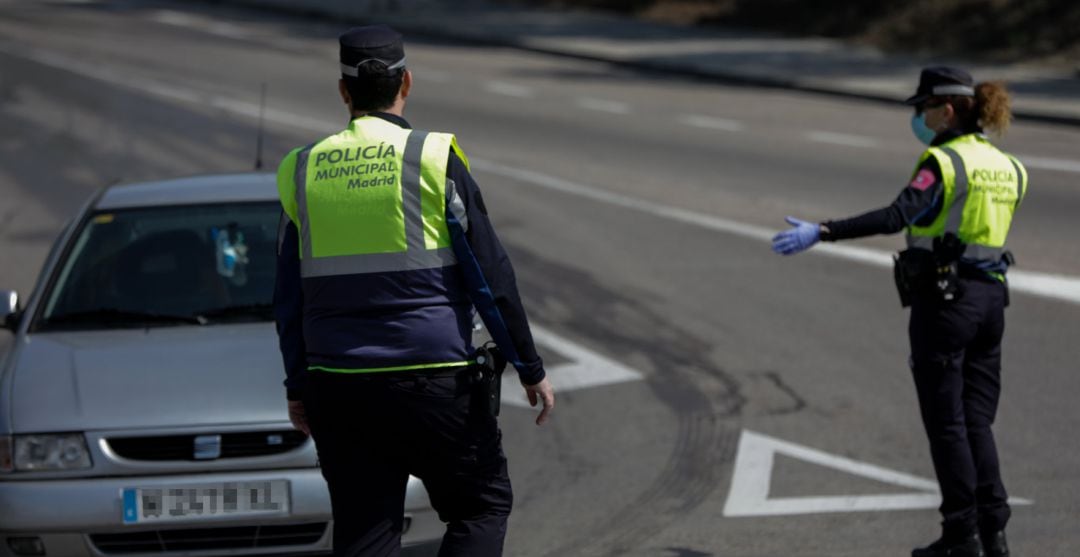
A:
{"x": 376, "y": 165}
{"x": 999, "y": 184}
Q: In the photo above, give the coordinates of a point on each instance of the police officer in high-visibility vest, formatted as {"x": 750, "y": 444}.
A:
{"x": 385, "y": 250}
{"x": 957, "y": 209}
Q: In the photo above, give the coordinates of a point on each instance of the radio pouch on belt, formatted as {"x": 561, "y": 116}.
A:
{"x": 487, "y": 393}
{"x": 947, "y": 252}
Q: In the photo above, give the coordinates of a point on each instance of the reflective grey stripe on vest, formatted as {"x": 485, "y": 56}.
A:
{"x": 972, "y": 251}
{"x": 960, "y": 191}
{"x": 920, "y": 242}
{"x": 456, "y": 205}
{"x": 975, "y": 251}
{"x": 378, "y": 262}
{"x": 301, "y": 203}
{"x": 956, "y": 215}
{"x": 416, "y": 256}
{"x": 410, "y": 191}
{"x": 1019, "y": 181}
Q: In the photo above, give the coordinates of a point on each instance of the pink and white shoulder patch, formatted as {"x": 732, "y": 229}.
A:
{"x": 924, "y": 179}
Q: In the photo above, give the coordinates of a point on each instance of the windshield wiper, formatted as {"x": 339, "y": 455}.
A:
{"x": 264, "y": 311}
{"x": 112, "y": 316}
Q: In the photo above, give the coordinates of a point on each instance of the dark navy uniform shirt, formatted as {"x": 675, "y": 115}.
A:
{"x": 483, "y": 276}
{"x": 917, "y": 205}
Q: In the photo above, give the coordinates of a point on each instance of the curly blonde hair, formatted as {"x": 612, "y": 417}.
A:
{"x": 995, "y": 107}
{"x": 990, "y": 109}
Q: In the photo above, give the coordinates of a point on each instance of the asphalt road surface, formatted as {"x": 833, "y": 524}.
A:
{"x": 636, "y": 209}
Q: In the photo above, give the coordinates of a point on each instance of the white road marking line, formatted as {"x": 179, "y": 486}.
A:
{"x": 169, "y": 92}
{"x": 54, "y": 60}
{"x": 586, "y": 369}
{"x": 279, "y": 116}
{"x": 1047, "y": 285}
{"x": 711, "y": 123}
{"x": 602, "y": 105}
{"x": 752, "y": 478}
{"x": 1045, "y": 163}
{"x": 598, "y": 194}
{"x": 509, "y": 89}
{"x": 174, "y": 92}
{"x": 847, "y": 140}
{"x": 170, "y": 17}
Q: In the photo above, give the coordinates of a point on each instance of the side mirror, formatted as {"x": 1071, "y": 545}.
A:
{"x": 9, "y": 309}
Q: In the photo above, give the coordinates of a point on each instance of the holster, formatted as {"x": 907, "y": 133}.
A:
{"x": 911, "y": 269}
{"x": 487, "y": 379}
{"x": 1009, "y": 260}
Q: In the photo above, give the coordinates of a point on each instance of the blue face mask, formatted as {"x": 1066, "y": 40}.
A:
{"x": 922, "y": 133}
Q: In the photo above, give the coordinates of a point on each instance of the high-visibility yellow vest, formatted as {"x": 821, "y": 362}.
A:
{"x": 983, "y": 186}
{"x": 371, "y": 199}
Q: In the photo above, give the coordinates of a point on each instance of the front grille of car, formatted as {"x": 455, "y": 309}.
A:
{"x": 231, "y": 445}
{"x": 208, "y": 539}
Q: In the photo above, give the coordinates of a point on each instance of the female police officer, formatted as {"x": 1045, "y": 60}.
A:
{"x": 957, "y": 210}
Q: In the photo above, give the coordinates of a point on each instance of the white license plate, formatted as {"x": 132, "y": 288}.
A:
{"x": 234, "y": 499}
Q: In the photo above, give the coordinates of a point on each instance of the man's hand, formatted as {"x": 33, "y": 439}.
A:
{"x": 543, "y": 392}
{"x": 298, "y": 417}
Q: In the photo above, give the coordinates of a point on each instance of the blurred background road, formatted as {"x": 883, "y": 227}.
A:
{"x": 636, "y": 207}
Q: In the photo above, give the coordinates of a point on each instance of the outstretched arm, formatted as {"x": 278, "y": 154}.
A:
{"x": 918, "y": 204}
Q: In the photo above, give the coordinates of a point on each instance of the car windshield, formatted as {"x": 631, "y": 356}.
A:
{"x": 161, "y": 266}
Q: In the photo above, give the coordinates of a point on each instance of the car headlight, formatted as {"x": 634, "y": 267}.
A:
{"x": 51, "y": 452}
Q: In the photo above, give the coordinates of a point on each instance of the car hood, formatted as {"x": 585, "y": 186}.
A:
{"x": 148, "y": 378}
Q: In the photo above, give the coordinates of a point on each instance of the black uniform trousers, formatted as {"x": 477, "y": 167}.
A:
{"x": 372, "y": 430}
{"x": 956, "y": 361}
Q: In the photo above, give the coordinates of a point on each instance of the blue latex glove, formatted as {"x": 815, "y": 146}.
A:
{"x": 797, "y": 239}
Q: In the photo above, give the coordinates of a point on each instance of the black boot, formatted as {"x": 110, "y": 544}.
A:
{"x": 967, "y": 546}
{"x": 994, "y": 544}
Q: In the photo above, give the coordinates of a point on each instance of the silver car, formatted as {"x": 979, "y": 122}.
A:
{"x": 141, "y": 405}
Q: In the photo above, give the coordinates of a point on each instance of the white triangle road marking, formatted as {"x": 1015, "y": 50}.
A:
{"x": 749, "y": 495}
{"x": 585, "y": 369}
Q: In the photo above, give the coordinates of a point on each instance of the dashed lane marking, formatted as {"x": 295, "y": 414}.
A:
{"x": 844, "y": 139}
{"x": 509, "y": 89}
{"x": 181, "y": 19}
{"x": 1047, "y": 285}
{"x": 753, "y": 473}
{"x": 603, "y": 105}
{"x": 711, "y": 123}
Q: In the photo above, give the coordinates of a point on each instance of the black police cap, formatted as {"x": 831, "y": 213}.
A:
{"x": 942, "y": 81}
{"x": 374, "y": 43}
